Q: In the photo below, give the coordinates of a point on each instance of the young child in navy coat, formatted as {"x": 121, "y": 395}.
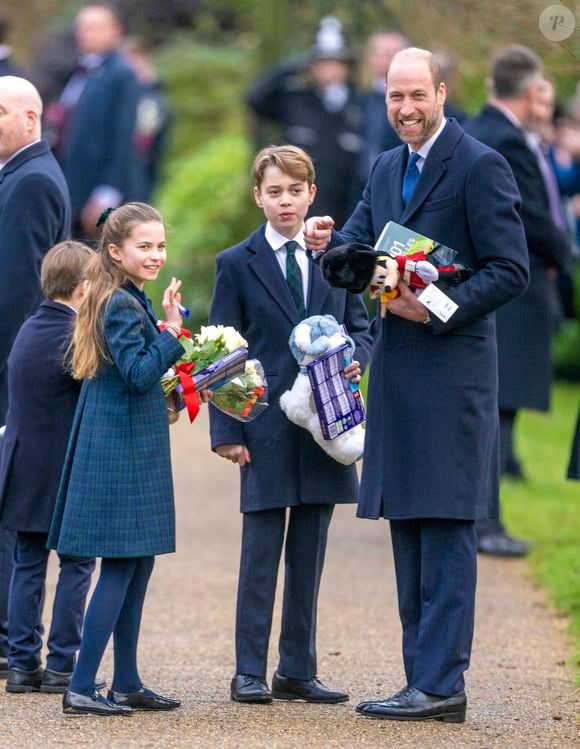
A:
{"x": 43, "y": 397}
{"x": 115, "y": 498}
{"x": 264, "y": 286}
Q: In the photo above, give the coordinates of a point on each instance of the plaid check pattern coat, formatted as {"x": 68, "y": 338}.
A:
{"x": 116, "y": 492}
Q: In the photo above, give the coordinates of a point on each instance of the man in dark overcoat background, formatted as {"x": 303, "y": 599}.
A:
{"x": 431, "y": 451}
{"x": 526, "y": 325}
{"x": 34, "y": 215}
{"x": 94, "y": 120}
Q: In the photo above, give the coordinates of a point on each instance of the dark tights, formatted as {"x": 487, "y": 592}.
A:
{"x": 115, "y": 608}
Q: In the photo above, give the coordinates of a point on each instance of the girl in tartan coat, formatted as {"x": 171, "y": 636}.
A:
{"x": 115, "y": 499}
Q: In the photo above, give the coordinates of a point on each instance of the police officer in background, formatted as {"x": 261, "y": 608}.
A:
{"x": 317, "y": 108}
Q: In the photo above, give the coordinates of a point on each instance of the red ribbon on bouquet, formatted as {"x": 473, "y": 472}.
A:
{"x": 183, "y": 371}
{"x": 188, "y": 384}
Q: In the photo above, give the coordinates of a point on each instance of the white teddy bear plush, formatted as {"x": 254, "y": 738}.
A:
{"x": 310, "y": 339}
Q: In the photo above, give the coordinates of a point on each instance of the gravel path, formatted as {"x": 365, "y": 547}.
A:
{"x": 520, "y": 693}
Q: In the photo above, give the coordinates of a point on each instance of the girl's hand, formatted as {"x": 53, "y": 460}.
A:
{"x": 171, "y": 298}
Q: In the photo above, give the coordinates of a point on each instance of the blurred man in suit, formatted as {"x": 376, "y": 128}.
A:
{"x": 94, "y": 120}
{"x": 7, "y": 66}
{"x": 526, "y": 325}
{"x": 34, "y": 215}
{"x": 431, "y": 459}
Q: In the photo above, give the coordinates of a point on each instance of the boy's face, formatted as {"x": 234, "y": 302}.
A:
{"x": 285, "y": 200}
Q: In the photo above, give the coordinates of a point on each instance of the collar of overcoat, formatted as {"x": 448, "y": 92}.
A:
{"x": 433, "y": 170}
{"x": 143, "y": 300}
{"x": 32, "y": 152}
{"x": 269, "y": 274}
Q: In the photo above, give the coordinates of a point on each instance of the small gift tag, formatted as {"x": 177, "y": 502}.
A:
{"x": 437, "y": 302}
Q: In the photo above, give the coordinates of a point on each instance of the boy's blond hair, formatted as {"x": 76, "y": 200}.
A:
{"x": 289, "y": 159}
{"x": 63, "y": 268}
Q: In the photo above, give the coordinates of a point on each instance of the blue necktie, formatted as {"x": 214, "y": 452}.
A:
{"x": 294, "y": 278}
{"x": 411, "y": 177}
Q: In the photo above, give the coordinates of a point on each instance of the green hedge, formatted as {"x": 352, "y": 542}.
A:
{"x": 208, "y": 206}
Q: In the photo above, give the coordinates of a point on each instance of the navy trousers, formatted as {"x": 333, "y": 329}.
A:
{"x": 25, "y": 606}
{"x": 262, "y": 540}
{"x": 7, "y": 543}
{"x": 436, "y": 569}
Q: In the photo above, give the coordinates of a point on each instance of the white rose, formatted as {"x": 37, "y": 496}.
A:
{"x": 232, "y": 339}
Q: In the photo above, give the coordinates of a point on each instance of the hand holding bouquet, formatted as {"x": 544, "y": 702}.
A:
{"x": 216, "y": 358}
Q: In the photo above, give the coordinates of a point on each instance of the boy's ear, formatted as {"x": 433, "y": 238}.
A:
{"x": 258, "y": 197}
{"x": 312, "y": 193}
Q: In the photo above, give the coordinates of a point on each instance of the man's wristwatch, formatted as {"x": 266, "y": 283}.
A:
{"x": 427, "y": 319}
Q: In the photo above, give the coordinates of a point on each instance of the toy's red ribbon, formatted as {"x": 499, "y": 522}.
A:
{"x": 189, "y": 392}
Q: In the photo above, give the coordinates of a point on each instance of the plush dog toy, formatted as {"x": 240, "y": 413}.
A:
{"x": 358, "y": 266}
{"x": 310, "y": 339}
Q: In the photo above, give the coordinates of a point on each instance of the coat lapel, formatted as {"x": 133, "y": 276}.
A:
{"x": 269, "y": 274}
{"x": 396, "y": 183}
{"x": 318, "y": 290}
{"x": 433, "y": 169}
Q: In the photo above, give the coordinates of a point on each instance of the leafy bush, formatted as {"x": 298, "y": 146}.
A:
{"x": 208, "y": 206}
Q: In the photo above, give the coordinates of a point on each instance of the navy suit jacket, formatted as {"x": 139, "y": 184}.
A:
{"x": 251, "y": 294}
{"x": 431, "y": 439}
{"x": 43, "y": 398}
{"x": 525, "y": 327}
{"x": 98, "y": 146}
{"x": 34, "y": 216}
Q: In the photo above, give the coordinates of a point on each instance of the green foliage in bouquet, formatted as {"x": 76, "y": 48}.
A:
{"x": 239, "y": 396}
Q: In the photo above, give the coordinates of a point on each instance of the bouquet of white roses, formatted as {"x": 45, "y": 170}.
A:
{"x": 214, "y": 358}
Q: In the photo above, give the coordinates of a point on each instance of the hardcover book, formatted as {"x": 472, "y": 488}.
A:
{"x": 338, "y": 401}
{"x": 398, "y": 240}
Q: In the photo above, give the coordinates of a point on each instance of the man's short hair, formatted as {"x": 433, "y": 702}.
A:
{"x": 513, "y": 69}
{"x": 289, "y": 159}
{"x": 63, "y": 268}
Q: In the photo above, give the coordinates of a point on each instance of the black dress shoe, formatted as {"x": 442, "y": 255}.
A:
{"x": 247, "y": 688}
{"x": 144, "y": 699}
{"x": 95, "y": 704}
{"x": 413, "y": 704}
{"x": 23, "y": 681}
{"x": 312, "y": 690}
{"x": 502, "y": 545}
{"x": 3, "y": 668}
{"x": 57, "y": 682}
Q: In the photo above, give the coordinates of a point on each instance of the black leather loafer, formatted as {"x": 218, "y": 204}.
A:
{"x": 247, "y": 688}
{"x": 502, "y": 545}
{"x": 413, "y": 704}
{"x": 95, "y": 704}
{"x": 57, "y": 682}
{"x": 312, "y": 690}
{"x": 23, "y": 681}
{"x": 144, "y": 699}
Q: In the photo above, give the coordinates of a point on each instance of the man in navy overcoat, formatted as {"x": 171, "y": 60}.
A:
{"x": 525, "y": 327}
{"x": 95, "y": 121}
{"x": 431, "y": 452}
{"x": 34, "y": 215}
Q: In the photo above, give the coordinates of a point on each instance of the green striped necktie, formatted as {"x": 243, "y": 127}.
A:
{"x": 294, "y": 278}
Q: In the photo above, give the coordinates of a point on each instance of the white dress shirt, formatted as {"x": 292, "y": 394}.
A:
{"x": 426, "y": 147}
{"x": 278, "y": 243}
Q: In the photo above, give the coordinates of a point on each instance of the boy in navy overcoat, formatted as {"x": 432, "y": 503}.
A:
{"x": 259, "y": 292}
{"x": 43, "y": 397}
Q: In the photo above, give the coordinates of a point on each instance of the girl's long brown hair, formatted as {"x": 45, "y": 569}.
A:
{"x": 105, "y": 276}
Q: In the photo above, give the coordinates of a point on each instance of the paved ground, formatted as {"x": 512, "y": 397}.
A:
{"x": 520, "y": 693}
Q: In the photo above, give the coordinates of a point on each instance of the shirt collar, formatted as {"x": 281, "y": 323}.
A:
{"x": 508, "y": 113}
{"x": 277, "y": 240}
{"x": 20, "y": 150}
{"x": 423, "y": 152}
